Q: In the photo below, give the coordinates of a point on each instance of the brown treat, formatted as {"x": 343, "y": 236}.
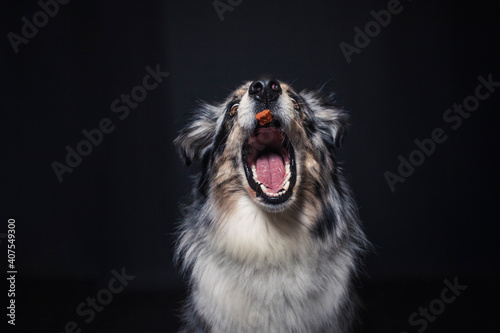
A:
{"x": 264, "y": 117}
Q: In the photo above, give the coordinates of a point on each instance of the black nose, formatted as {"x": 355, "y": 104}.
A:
{"x": 265, "y": 90}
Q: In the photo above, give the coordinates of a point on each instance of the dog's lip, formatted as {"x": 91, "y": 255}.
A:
{"x": 275, "y": 195}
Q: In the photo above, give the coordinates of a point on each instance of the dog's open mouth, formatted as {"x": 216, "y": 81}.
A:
{"x": 269, "y": 163}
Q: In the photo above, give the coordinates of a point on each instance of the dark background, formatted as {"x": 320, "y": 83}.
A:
{"x": 118, "y": 208}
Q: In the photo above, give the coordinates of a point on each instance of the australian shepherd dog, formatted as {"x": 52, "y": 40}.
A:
{"x": 270, "y": 239}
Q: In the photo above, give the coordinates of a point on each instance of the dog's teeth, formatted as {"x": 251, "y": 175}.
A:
{"x": 287, "y": 185}
{"x": 287, "y": 167}
{"x": 254, "y": 174}
{"x": 263, "y": 188}
{"x": 288, "y": 175}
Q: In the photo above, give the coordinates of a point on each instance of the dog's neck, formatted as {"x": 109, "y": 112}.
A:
{"x": 247, "y": 232}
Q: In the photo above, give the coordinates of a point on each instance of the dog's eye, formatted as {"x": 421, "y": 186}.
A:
{"x": 296, "y": 105}
{"x": 234, "y": 109}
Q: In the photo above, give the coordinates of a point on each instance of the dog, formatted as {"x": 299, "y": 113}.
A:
{"x": 270, "y": 239}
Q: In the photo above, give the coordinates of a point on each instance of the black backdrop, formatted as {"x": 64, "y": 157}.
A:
{"x": 117, "y": 209}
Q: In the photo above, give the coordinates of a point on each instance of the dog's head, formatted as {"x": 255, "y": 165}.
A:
{"x": 275, "y": 160}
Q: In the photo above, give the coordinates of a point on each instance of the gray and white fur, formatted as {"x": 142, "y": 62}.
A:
{"x": 269, "y": 260}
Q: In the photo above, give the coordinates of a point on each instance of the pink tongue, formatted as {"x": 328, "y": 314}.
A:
{"x": 271, "y": 170}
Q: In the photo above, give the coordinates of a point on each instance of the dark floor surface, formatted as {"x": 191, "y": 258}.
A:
{"x": 388, "y": 306}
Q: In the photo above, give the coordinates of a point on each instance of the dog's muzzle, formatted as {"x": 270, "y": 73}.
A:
{"x": 268, "y": 156}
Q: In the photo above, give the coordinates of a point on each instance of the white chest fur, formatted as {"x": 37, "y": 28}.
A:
{"x": 267, "y": 275}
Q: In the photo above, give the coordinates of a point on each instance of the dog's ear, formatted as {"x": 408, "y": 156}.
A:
{"x": 340, "y": 126}
{"x": 331, "y": 119}
{"x": 195, "y": 140}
